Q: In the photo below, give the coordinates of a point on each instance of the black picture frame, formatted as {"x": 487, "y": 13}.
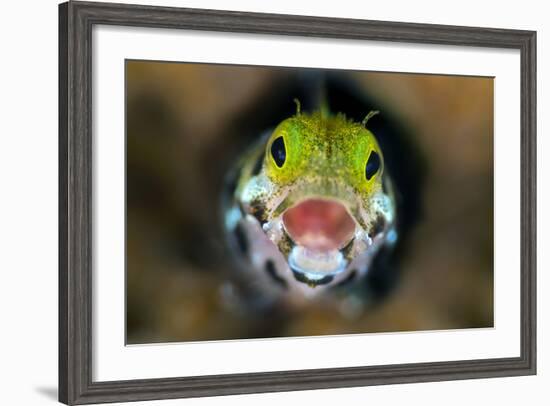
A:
{"x": 76, "y": 20}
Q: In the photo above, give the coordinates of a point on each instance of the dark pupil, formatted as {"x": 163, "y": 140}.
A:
{"x": 278, "y": 151}
{"x": 373, "y": 164}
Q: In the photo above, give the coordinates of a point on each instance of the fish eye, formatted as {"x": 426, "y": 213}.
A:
{"x": 373, "y": 165}
{"x": 278, "y": 151}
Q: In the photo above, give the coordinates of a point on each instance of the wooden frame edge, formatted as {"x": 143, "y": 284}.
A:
{"x": 75, "y": 160}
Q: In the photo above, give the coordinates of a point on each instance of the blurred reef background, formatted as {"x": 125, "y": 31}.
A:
{"x": 186, "y": 124}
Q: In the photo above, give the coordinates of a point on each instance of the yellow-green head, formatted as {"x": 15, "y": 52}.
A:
{"x": 328, "y": 146}
{"x": 315, "y": 200}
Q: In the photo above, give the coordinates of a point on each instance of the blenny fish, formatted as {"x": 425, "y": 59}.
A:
{"x": 311, "y": 206}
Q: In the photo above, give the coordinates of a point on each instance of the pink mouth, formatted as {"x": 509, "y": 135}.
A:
{"x": 319, "y": 224}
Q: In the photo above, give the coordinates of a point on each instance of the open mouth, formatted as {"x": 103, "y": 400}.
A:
{"x": 320, "y": 228}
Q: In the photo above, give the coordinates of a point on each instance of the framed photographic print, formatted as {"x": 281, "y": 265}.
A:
{"x": 257, "y": 202}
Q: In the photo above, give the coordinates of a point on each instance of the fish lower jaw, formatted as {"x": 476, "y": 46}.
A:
{"x": 316, "y": 267}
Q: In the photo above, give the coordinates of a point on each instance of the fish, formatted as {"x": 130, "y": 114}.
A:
{"x": 310, "y": 206}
